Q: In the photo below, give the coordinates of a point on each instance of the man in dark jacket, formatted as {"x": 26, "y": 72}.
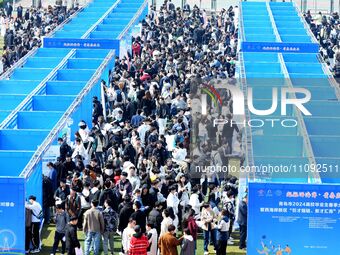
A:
{"x": 139, "y": 216}
{"x": 108, "y": 193}
{"x": 129, "y": 151}
{"x": 64, "y": 148}
{"x": 19, "y": 11}
{"x": 124, "y": 213}
{"x": 97, "y": 109}
{"x": 9, "y": 9}
{"x": 61, "y": 193}
{"x": 71, "y": 237}
{"x": 69, "y": 165}
{"x": 155, "y": 217}
{"x": 124, "y": 186}
{"x": 242, "y": 221}
{"x": 160, "y": 153}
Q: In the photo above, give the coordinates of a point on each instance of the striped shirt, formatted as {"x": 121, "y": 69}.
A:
{"x": 138, "y": 245}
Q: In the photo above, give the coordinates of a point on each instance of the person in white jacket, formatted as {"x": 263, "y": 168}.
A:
{"x": 194, "y": 201}
{"x": 172, "y": 199}
{"x": 79, "y": 149}
{"x": 36, "y": 209}
{"x": 166, "y": 222}
{"x": 152, "y": 237}
{"x": 127, "y": 235}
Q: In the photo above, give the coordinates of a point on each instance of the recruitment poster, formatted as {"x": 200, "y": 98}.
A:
{"x": 291, "y": 219}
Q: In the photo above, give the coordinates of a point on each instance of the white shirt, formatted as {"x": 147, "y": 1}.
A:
{"x": 195, "y": 203}
{"x": 153, "y": 242}
{"x": 179, "y": 154}
{"x": 223, "y": 226}
{"x": 172, "y": 201}
{"x": 79, "y": 149}
{"x": 126, "y": 237}
{"x": 166, "y": 222}
{"x": 35, "y": 207}
{"x": 142, "y": 130}
{"x": 84, "y": 134}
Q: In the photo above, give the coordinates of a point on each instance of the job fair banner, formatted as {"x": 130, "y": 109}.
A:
{"x": 74, "y": 43}
{"x": 293, "y": 219}
{"x": 280, "y": 47}
{"x": 12, "y": 215}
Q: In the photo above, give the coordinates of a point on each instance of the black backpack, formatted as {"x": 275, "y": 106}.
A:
{"x": 119, "y": 98}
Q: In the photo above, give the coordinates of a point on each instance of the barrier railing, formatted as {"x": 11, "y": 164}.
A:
{"x": 248, "y": 134}
{"x": 271, "y": 17}
{"x": 240, "y": 26}
{"x": 313, "y": 176}
{"x": 11, "y": 117}
{"x": 63, "y": 120}
{"x": 24, "y": 59}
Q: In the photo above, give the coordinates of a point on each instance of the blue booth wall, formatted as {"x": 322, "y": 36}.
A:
{"x": 12, "y": 215}
{"x": 34, "y": 183}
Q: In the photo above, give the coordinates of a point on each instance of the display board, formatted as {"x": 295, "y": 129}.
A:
{"x": 293, "y": 219}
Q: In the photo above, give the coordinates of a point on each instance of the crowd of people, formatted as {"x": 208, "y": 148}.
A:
{"x": 129, "y": 174}
{"x": 23, "y": 31}
{"x": 326, "y": 29}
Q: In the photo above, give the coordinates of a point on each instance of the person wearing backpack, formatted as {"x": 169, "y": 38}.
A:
{"x": 119, "y": 97}
{"x": 73, "y": 204}
{"x": 37, "y": 216}
{"x": 110, "y": 226}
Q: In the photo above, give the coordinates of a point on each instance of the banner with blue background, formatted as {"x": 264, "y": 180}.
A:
{"x": 12, "y": 216}
{"x": 280, "y": 47}
{"x": 286, "y": 219}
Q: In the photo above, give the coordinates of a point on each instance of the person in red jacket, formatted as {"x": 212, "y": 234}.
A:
{"x": 136, "y": 48}
{"x": 192, "y": 225}
{"x": 139, "y": 243}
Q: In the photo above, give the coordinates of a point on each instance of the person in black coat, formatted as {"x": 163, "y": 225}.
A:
{"x": 125, "y": 213}
{"x": 9, "y": 38}
{"x": 139, "y": 216}
{"x": 129, "y": 151}
{"x": 97, "y": 109}
{"x": 19, "y": 11}
{"x": 242, "y": 221}
{"x": 155, "y": 217}
{"x": 160, "y": 153}
{"x": 154, "y": 192}
{"x": 71, "y": 237}
{"x": 108, "y": 194}
{"x": 9, "y": 9}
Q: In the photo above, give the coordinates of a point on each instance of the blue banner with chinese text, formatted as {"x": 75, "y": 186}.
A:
{"x": 74, "y": 43}
{"x": 289, "y": 219}
{"x": 280, "y": 47}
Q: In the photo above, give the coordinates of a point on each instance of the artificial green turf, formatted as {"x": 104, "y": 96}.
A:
{"x": 48, "y": 237}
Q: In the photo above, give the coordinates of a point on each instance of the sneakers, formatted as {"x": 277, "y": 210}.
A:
{"x": 230, "y": 242}
{"x": 35, "y": 251}
{"x": 206, "y": 253}
{"x": 231, "y": 238}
